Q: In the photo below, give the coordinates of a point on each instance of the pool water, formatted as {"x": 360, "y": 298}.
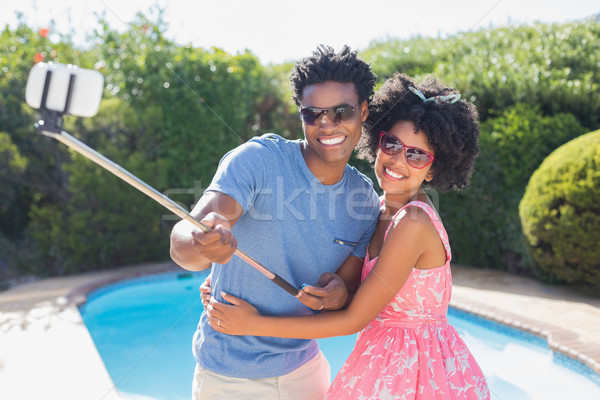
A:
{"x": 143, "y": 331}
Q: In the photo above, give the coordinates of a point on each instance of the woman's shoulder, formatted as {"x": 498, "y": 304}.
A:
{"x": 414, "y": 231}
{"x": 415, "y": 218}
{"x": 415, "y": 215}
{"x": 420, "y": 209}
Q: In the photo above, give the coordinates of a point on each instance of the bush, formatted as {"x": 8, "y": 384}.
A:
{"x": 168, "y": 115}
{"x": 12, "y": 167}
{"x": 33, "y": 171}
{"x": 483, "y": 222}
{"x": 170, "y": 112}
{"x": 553, "y": 66}
{"x": 560, "y": 213}
{"x": 104, "y": 223}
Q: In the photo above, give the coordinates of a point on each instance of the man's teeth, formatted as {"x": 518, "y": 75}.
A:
{"x": 394, "y": 174}
{"x": 332, "y": 141}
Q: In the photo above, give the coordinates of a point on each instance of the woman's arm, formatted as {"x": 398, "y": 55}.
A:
{"x": 406, "y": 242}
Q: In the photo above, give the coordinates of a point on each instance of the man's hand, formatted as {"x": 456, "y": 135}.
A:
{"x": 219, "y": 244}
{"x": 194, "y": 250}
{"x": 329, "y": 293}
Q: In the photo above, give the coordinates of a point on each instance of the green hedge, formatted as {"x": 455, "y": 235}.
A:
{"x": 560, "y": 213}
{"x": 483, "y": 221}
{"x": 170, "y": 112}
{"x": 168, "y": 115}
{"x": 553, "y": 66}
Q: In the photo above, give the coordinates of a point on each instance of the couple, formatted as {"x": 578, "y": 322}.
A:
{"x": 300, "y": 210}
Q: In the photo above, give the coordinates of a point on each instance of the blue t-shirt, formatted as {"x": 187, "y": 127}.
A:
{"x": 296, "y": 227}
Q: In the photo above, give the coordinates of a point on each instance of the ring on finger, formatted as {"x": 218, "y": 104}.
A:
{"x": 218, "y": 322}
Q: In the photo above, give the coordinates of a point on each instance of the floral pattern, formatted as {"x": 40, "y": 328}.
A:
{"x": 410, "y": 351}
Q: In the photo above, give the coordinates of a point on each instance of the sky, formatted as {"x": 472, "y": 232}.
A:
{"x": 279, "y": 30}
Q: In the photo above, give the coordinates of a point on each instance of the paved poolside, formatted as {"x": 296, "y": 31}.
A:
{"x": 46, "y": 351}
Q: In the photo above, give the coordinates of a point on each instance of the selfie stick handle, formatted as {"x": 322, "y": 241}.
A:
{"x": 143, "y": 187}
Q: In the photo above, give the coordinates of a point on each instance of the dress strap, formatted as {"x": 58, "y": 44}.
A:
{"x": 435, "y": 220}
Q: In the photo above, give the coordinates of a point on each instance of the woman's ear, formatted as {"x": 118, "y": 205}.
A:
{"x": 429, "y": 176}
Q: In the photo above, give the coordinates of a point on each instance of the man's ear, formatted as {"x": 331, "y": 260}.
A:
{"x": 364, "y": 110}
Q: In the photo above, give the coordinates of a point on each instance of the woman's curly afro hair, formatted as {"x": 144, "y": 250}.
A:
{"x": 452, "y": 130}
{"x": 327, "y": 65}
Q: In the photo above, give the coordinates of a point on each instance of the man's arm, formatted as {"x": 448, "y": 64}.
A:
{"x": 334, "y": 291}
{"x": 350, "y": 274}
{"x": 194, "y": 250}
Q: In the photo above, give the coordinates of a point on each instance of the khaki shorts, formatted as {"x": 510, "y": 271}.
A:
{"x": 309, "y": 382}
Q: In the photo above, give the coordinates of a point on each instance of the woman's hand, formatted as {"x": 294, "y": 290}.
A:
{"x": 205, "y": 291}
{"x": 239, "y": 318}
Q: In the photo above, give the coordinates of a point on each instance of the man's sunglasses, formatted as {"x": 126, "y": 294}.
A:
{"x": 338, "y": 114}
{"x": 415, "y": 157}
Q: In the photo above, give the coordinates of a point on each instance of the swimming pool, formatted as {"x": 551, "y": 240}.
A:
{"x": 143, "y": 331}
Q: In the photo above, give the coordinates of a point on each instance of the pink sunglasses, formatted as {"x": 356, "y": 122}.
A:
{"x": 415, "y": 157}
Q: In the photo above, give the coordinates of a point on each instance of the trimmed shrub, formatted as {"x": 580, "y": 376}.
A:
{"x": 560, "y": 213}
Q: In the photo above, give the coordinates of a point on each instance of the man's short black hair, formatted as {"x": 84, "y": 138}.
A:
{"x": 325, "y": 65}
{"x": 452, "y": 129}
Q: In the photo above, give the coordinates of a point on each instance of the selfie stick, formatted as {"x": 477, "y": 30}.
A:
{"x": 50, "y": 125}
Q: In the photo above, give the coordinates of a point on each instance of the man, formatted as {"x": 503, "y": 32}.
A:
{"x": 300, "y": 210}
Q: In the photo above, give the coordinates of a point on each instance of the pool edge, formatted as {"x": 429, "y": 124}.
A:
{"x": 79, "y": 294}
{"x": 559, "y": 340}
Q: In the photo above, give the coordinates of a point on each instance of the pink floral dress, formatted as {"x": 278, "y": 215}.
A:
{"x": 410, "y": 351}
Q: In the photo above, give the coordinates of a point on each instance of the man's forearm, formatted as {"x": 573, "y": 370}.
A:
{"x": 182, "y": 250}
{"x": 349, "y": 273}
